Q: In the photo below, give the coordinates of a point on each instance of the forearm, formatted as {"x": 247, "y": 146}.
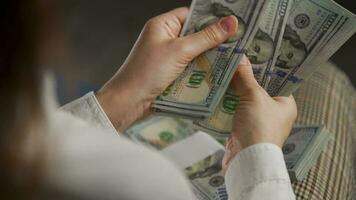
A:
{"x": 123, "y": 106}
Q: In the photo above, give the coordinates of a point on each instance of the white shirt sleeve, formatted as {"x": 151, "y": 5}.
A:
{"x": 259, "y": 172}
{"x": 89, "y": 109}
{"x": 85, "y": 163}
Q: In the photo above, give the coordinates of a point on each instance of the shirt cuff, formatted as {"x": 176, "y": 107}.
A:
{"x": 256, "y": 164}
{"x": 89, "y": 109}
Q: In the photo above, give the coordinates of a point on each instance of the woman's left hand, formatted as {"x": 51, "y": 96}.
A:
{"x": 157, "y": 59}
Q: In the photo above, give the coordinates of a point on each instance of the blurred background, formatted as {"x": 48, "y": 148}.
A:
{"x": 100, "y": 34}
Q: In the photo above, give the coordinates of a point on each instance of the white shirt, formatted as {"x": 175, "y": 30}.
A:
{"x": 88, "y": 160}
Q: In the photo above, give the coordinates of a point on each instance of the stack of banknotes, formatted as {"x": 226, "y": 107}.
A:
{"x": 303, "y": 148}
{"x": 285, "y": 40}
{"x": 200, "y": 156}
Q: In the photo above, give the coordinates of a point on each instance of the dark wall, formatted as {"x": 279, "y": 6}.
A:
{"x": 345, "y": 57}
{"x": 102, "y": 32}
{"x": 349, "y": 4}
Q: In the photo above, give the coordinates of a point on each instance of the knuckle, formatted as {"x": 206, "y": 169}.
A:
{"x": 173, "y": 22}
{"x": 212, "y": 35}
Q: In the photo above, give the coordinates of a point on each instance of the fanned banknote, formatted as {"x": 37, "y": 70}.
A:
{"x": 160, "y": 132}
{"x": 315, "y": 30}
{"x": 263, "y": 53}
{"x": 264, "y": 49}
{"x": 198, "y": 90}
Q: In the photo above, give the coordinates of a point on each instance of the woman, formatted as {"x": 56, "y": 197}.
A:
{"x": 50, "y": 154}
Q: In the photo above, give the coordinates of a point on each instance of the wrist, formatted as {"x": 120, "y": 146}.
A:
{"x": 257, "y": 137}
{"x": 123, "y": 106}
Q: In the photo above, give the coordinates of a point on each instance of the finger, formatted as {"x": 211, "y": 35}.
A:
{"x": 244, "y": 80}
{"x": 210, "y": 37}
{"x": 172, "y": 20}
{"x": 180, "y": 14}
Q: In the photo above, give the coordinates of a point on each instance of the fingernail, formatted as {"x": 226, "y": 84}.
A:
{"x": 228, "y": 24}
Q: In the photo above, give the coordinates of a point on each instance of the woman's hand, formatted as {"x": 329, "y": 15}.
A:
{"x": 157, "y": 59}
{"x": 259, "y": 118}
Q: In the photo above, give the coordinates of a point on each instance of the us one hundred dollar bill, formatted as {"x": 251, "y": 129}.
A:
{"x": 198, "y": 90}
{"x": 263, "y": 53}
{"x": 315, "y": 30}
{"x": 303, "y": 148}
{"x": 264, "y": 49}
{"x": 160, "y": 132}
{"x": 312, "y": 35}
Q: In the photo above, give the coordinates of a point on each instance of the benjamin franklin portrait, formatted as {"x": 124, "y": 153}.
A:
{"x": 293, "y": 51}
{"x": 261, "y": 49}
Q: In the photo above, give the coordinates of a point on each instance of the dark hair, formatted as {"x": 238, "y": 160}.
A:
{"x": 20, "y": 85}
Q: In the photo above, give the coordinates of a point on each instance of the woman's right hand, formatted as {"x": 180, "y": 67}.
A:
{"x": 157, "y": 59}
{"x": 259, "y": 118}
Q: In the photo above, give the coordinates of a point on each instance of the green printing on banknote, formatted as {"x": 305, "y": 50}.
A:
{"x": 160, "y": 132}
{"x": 196, "y": 79}
{"x": 219, "y": 124}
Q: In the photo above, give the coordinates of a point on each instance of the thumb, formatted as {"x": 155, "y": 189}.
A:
{"x": 244, "y": 81}
{"x": 210, "y": 37}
